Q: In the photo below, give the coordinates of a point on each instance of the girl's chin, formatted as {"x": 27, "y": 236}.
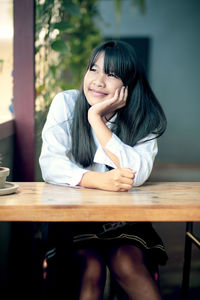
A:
{"x": 93, "y": 100}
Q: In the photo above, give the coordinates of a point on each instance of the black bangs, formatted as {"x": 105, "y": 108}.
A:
{"x": 119, "y": 60}
{"x": 113, "y": 62}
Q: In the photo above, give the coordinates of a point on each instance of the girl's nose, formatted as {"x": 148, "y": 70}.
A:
{"x": 100, "y": 80}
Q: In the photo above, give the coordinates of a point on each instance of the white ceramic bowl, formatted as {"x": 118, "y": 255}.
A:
{"x": 4, "y": 172}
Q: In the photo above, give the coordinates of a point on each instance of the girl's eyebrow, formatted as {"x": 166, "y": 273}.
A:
{"x": 95, "y": 65}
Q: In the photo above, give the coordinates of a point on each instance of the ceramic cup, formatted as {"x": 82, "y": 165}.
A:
{"x": 4, "y": 172}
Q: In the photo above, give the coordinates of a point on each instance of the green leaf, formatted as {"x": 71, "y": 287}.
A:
{"x": 59, "y": 46}
{"x": 63, "y": 26}
{"x": 40, "y": 89}
{"x": 53, "y": 69}
{"x": 37, "y": 49}
{"x": 71, "y": 8}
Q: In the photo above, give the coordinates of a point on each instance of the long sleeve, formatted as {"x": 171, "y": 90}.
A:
{"x": 56, "y": 163}
{"x": 139, "y": 158}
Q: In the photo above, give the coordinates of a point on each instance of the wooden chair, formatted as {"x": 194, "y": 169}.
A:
{"x": 190, "y": 239}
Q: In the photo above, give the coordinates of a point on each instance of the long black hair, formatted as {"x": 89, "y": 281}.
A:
{"x": 142, "y": 114}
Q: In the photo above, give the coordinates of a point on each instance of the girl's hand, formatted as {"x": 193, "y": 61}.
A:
{"x": 110, "y": 105}
{"x": 116, "y": 180}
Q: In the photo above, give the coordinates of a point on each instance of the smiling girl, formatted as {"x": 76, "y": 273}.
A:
{"x": 105, "y": 137}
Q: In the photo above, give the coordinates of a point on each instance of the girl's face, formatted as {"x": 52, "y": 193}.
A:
{"x": 99, "y": 86}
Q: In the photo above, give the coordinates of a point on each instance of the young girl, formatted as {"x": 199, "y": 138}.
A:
{"x": 104, "y": 137}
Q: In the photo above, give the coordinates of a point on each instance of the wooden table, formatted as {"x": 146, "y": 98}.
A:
{"x": 164, "y": 201}
{"x": 158, "y": 201}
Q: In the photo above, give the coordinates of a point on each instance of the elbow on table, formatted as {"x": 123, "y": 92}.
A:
{"x": 142, "y": 176}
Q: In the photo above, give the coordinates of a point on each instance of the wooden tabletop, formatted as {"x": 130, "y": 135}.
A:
{"x": 154, "y": 201}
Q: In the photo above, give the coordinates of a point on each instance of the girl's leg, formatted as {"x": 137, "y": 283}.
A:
{"x": 92, "y": 274}
{"x": 128, "y": 267}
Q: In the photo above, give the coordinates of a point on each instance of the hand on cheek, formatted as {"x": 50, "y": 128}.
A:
{"x": 112, "y": 104}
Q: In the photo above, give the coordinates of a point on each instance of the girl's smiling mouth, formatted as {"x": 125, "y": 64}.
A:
{"x": 97, "y": 93}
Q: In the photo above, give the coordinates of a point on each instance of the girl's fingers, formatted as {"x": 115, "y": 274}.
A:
{"x": 122, "y": 179}
{"x": 121, "y": 95}
{"x": 126, "y": 187}
{"x": 126, "y": 93}
{"x": 126, "y": 176}
{"x": 126, "y": 180}
{"x": 128, "y": 173}
{"x": 116, "y": 95}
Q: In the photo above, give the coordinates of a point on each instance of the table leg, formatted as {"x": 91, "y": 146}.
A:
{"x": 187, "y": 262}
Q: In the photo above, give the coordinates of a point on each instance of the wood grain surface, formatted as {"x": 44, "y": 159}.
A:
{"x": 154, "y": 201}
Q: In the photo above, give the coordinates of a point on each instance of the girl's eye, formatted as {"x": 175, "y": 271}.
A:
{"x": 112, "y": 75}
{"x": 92, "y": 69}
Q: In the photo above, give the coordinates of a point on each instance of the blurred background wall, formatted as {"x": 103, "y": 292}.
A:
{"x": 172, "y": 28}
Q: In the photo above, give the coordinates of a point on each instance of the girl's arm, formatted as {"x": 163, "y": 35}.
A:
{"x": 56, "y": 162}
{"x": 114, "y": 152}
{"x": 97, "y": 114}
{"x": 118, "y": 180}
{"x": 139, "y": 158}
{"x": 103, "y": 134}
{"x": 55, "y": 159}
{"x": 58, "y": 168}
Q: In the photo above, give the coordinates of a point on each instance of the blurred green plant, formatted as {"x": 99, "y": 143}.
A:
{"x": 65, "y": 34}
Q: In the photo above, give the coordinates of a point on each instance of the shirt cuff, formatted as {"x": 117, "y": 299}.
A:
{"x": 65, "y": 180}
{"x": 77, "y": 176}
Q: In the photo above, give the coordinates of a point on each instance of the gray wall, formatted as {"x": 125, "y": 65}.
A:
{"x": 173, "y": 27}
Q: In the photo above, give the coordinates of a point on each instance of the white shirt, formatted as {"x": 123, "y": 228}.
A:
{"x": 56, "y": 160}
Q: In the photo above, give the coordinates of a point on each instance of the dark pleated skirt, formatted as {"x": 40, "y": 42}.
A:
{"x": 106, "y": 235}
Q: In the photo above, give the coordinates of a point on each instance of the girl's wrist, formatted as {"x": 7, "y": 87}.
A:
{"x": 91, "y": 180}
{"x": 93, "y": 115}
